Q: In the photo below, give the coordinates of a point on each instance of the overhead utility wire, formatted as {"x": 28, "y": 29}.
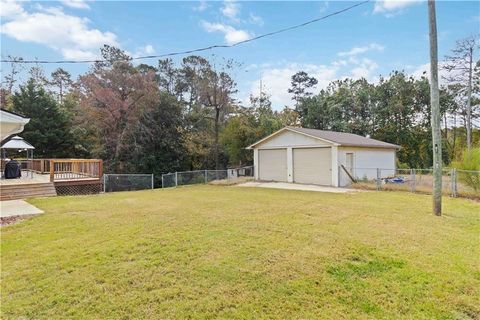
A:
{"x": 199, "y": 49}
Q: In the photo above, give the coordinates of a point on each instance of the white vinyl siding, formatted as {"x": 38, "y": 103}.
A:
{"x": 365, "y": 163}
{"x": 312, "y": 165}
{"x": 272, "y": 165}
{"x": 292, "y": 139}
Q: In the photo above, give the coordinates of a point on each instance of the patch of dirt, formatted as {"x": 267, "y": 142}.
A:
{"x": 231, "y": 182}
{"x": 5, "y": 221}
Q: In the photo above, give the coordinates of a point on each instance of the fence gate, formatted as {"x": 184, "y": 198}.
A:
{"x": 127, "y": 182}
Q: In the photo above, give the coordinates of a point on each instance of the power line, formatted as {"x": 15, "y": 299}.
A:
{"x": 199, "y": 49}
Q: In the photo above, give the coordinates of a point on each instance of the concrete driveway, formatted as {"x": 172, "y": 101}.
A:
{"x": 296, "y": 186}
{"x": 11, "y": 208}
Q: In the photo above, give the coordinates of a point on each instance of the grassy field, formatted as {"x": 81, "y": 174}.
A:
{"x": 229, "y": 252}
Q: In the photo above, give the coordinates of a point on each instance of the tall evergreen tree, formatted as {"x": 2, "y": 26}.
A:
{"x": 48, "y": 130}
{"x": 61, "y": 81}
{"x": 156, "y": 143}
{"x": 301, "y": 83}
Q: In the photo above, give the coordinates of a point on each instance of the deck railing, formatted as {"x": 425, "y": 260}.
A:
{"x": 41, "y": 165}
{"x": 75, "y": 169}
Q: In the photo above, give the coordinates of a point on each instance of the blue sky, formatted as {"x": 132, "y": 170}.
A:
{"x": 368, "y": 41}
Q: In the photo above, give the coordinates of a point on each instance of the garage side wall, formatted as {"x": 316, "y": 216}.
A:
{"x": 365, "y": 163}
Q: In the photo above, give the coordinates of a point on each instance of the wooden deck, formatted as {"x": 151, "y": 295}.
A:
{"x": 43, "y": 178}
{"x": 68, "y": 176}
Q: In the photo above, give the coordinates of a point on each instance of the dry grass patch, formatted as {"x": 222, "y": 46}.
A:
{"x": 423, "y": 185}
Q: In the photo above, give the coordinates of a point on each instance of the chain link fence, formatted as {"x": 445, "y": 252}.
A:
{"x": 127, "y": 182}
{"x": 204, "y": 176}
{"x": 456, "y": 183}
{"x": 169, "y": 180}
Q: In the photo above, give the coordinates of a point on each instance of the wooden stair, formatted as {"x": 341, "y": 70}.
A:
{"x": 27, "y": 190}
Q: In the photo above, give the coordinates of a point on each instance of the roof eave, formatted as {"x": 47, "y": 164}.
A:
{"x": 266, "y": 138}
{"x": 393, "y": 146}
{"x": 314, "y": 137}
{"x": 11, "y": 117}
{"x": 293, "y": 130}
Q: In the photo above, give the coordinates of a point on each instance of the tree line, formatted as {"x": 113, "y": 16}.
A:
{"x": 168, "y": 117}
{"x": 138, "y": 118}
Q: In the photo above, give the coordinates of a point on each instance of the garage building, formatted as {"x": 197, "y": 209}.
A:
{"x": 313, "y": 156}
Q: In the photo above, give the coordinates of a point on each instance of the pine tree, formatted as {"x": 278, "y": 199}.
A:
{"x": 48, "y": 129}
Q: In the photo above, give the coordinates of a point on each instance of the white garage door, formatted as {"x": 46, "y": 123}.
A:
{"x": 312, "y": 165}
{"x": 272, "y": 165}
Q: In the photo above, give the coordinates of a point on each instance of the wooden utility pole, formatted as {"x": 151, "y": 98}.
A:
{"x": 435, "y": 111}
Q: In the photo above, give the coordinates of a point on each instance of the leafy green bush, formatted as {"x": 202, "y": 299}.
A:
{"x": 470, "y": 162}
{"x": 402, "y": 165}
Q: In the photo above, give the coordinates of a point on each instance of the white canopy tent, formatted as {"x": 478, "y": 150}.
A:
{"x": 17, "y": 143}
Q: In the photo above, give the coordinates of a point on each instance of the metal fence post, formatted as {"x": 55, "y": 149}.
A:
{"x": 152, "y": 180}
{"x": 379, "y": 176}
{"x": 414, "y": 180}
{"x": 162, "y": 182}
{"x": 104, "y": 183}
{"x": 411, "y": 180}
{"x": 176, "y": 178}
{"x": 453, "y": 177}
{"x": 456, "y": 182}
{"x": 206, "y": 176}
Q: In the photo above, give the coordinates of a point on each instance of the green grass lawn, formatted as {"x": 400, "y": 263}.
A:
{"x": 229, "y": 252}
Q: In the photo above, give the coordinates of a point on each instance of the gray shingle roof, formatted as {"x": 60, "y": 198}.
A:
{"x": 346, "y": 139}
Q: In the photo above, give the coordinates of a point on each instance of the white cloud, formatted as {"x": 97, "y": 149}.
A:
{"x": 65, "y": 33}
{"x": 10, "y": 9}
{"x": 323, "y": 7}
{"x": 76, "y": 4}
{"x": 359, "y": 50}
{"x": 143, "y": 51}
{"x": 424, "y": 71}
{"x": 392, "y": 7}
{"x": 276, "y": 78}
{"x": 363, "y": 69}
{"x": 78, "y": 54}
{"x": 254, "y": 19}
{"x": 231, "y": 10}
{"x": 149, "y": 49}
{"x": 202, "y": 6}
{"x": 231, "y": 34}
{"x": 276, "y": 81}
